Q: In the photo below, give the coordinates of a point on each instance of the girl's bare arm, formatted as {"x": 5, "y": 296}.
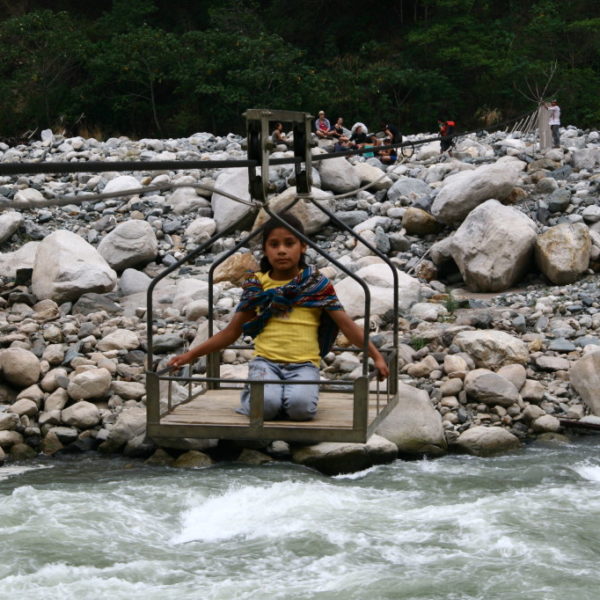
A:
{"x": 356, "y": 336}
{"x": 220, "y": 340}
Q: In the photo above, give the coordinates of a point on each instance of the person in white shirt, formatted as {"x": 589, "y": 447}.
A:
{"x": 554, "y": 121}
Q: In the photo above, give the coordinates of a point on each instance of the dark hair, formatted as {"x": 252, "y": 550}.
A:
{"x": 272, "y": 224}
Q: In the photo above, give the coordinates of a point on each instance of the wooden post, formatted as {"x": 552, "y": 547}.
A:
{"x": 544, "y": 132}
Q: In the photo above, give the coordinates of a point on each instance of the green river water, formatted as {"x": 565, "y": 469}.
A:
{"x": 519, "y": 526}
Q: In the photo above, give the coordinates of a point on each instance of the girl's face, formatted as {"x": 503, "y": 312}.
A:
{"x": 284, "y": 251}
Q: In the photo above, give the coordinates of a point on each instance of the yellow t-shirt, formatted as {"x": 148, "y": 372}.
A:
{"x": 292, "y": 338}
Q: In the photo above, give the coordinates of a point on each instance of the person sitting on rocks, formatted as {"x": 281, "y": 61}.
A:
{"x": 359, "y": 136}
{"x": 294, "y": 314}
{"x": 278, "y": 137}
{"x": 338, "y": 131}
{"x": 322, "y": 126}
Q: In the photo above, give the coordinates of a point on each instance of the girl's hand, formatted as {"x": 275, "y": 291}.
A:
{"x": 383, "y": 371}
{"x": 178, "y": 361}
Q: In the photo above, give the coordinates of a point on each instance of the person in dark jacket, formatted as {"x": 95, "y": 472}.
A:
{"x": 446, "y": 128}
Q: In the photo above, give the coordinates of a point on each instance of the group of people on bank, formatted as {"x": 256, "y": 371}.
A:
{"x": 358, "y": 137}
{"x": 381, "y": 145}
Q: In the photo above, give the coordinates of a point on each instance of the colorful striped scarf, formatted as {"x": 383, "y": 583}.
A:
{"x": 309, "y": 289}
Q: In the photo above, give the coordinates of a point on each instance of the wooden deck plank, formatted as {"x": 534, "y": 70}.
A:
{"x": 217, "y": 407}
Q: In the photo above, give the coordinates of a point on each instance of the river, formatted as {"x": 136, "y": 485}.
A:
{"x": 520, "y": 526}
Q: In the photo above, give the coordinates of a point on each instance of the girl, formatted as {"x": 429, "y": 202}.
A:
{"x": 294, "y": 315}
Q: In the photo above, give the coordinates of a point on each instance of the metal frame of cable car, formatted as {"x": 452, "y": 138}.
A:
{"x": 209, "y": 412}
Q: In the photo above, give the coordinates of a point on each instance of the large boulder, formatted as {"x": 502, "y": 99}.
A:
{"x": 585, "y": 378}
{"x": 187, "y": 200}
{"x": 419, "y": 222}
{"x": 121, "y": 183}
{"x": 379, "y": 279}
{"x": 492, "y": 349}
{"x": 493, "y": 248}
{"x": 462, "y": 192}
{"x": 82, "y": 415}
{"x": 130, "y": 244}
{"x": 414, "y": 425}
{"x": 23, "y": 258}
{"x": 410, "y": 188}
{"x": 235, "y": 268}
{"x": 486, "y": 441}
{"x": 131, "y": 423}
{"x": 374, "y": 175}
{"x": 490, "y": 388}
{"x": 19, "y": 367}
{"x": 312, "y": 218}
{"x": 585, "y": 158}
{"x": 10, "y": 221}
{"x": 28, "y": 198}
{"x": 200, "y": 230}
{"x": 66, "y": 267}
{"x": 120, "y": 339}
{"x": 333, "y": 458}
{"x": 563, "y": 252}
{"x": 90, "y": 384}
{"x": 338, "y": 175}
{"x": 191, "y": 290}
{"x": 228, "y": 212}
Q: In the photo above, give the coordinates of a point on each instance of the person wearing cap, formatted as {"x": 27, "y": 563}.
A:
{"x": 554, "y": 121}
{"x": 322, "y": 126}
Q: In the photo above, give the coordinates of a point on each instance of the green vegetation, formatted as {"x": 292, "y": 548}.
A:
{"x": 416, "y": 343}
{"x": 155, "y": 67}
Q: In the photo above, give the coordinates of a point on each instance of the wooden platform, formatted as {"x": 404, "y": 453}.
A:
{"x": 213, "y": 415}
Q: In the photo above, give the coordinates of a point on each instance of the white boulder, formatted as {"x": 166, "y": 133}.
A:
{"x": 66, "y": 267}
{"x": 129, "y": 244}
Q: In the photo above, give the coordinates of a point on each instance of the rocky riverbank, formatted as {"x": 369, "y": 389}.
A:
{"x": 497, "y": 250}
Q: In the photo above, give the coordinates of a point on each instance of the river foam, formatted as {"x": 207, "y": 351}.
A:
{"x": 457, "y": 528}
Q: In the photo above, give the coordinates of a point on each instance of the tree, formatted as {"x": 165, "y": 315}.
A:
{"x": 41, "y": 54}
{"x": 132, "y": 77}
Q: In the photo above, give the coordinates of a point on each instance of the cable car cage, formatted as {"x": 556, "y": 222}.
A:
{"x": 348, "y": 410}
{"x": 349, "y": 413}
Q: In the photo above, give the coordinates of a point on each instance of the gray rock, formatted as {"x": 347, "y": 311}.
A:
{"x": 409, "y": 188}
{"x": 66, "y": 267}
{"x": 464, "y": 191}
{"x": 133, "y": 281}
{"x": 493, "y": 247}
{"x": 120, "y": 339}
{"x": 132, "y": 243}
{"x": 24, "y": 406}
{"x": 563, "y": 252}
{"x": 333, "y": 458}
{"x": 82, "y": 415}
{"x": 21, "y": 368}
{"x": 585, "y": 379}
{"x": 559, "y": 200}
{"x": 492, "y": 349}
{"x": 338, "y": 175}
{"x": 486, "y": 441}
{"x": 90, "y": 384}
{"x": 8, "y": 421}
{"x": 10, "y": 221}
{"x": 227, "y": 212}
{"x": 23, "y": 258}
{"x": 414, "y": 425}
{"x": 131, "y": 423}
{"x": 491, "y": 389}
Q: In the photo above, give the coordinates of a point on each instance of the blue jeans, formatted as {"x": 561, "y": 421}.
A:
{"x": 297, "y": 402}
